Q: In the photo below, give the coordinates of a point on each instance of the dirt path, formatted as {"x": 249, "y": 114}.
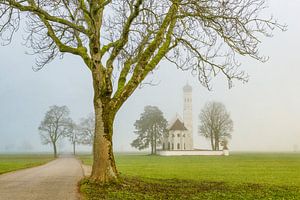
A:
{"x": 56, "y": 180}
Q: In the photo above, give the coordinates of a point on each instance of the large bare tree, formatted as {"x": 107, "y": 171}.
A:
{"x": 215, "y": 124}
{"x": 122, "y": 41}
{"x": 55, "y": 125}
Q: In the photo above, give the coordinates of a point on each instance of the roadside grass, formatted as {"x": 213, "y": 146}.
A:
{"x": 13, "y": 162}
{"x": 239, "y": 176}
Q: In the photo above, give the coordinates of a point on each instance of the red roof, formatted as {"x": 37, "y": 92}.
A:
{"x": 178, "y": 126}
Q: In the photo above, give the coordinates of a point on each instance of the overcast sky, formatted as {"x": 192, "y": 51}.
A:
{"x": 265, "y": 111}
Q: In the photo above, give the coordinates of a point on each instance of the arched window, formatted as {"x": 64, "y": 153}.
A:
{"x": 178, "y": 146}
{"x": 178, "y": 135}
{"x": 163, "y": 146}
{"x": 184, "y": 146}
{"x": 169, "y": 146}
{"x": 172, "y": 146}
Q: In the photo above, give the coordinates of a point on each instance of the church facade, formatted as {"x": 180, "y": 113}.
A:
{"x": 180, "y": 131}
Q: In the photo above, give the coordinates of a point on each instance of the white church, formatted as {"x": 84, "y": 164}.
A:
{"x": 179, "y": 140}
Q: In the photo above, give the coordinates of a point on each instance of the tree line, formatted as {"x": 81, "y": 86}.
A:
{"x": 57, "y": 125}
{"x": 215, "y": 122}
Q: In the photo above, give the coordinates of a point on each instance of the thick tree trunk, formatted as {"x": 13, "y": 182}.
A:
{"x": 104, "y": 167}
{"x": 54, "y": 150}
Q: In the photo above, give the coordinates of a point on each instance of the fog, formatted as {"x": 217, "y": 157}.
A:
{"x": 265, "y": 111}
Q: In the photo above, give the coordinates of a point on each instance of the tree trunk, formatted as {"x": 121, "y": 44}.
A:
{"x": 104, "y": 167}
{"x": 74, "y": 150}
{"x": 155, "y": 138}
{"x": 212, "y": 142}
{"x": 152, "y": 152}
{"x": 217, "y": 142}
{"x": 54, "y": 150}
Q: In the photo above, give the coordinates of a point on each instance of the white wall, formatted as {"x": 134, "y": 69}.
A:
{"x": 193, "y": 153}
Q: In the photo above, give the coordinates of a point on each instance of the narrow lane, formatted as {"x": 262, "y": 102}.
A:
{"x": 56, "y": 180}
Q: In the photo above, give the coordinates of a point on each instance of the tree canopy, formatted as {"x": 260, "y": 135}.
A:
{"x": 150, "y": 129}
{"x": 215, "y": 124}
{"x": 55, "y": 125}
{"x": 86, "y": 129}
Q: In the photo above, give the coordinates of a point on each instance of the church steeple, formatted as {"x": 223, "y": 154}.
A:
{"x": 188, "y": 113}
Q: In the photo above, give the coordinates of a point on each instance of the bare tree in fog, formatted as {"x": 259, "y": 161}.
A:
{"x": 73, "y": 135}
{"x": 55, "y": 126}
{"x": 121, "y": 42}
{"x": 215, "y": 124}
{"x": 86, "y": 129}
{"x": 82, "y": 133}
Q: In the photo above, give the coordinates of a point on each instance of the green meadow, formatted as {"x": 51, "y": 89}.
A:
{"x": 238, "y": 176}
{"x": 12, "y": 162}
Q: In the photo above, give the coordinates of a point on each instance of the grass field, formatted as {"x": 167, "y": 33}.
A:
{"x": 13, "y": 162}
{"x": 239, "y": 176}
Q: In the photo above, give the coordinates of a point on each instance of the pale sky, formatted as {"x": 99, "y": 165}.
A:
{"x": 265, "y": 111}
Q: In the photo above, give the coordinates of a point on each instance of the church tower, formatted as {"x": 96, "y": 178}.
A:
{"x": 188, "y": 115}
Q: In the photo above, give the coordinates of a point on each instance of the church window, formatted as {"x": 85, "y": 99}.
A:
{"x": 184, "y": 145}
{"x": 172, "y": 146}
{"x": 178, "y": 146}
{"x": 169, "y": 146}
{"x": 163, "y": 146}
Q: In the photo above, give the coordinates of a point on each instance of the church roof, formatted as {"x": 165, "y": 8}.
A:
{"x": 177, "y": 126}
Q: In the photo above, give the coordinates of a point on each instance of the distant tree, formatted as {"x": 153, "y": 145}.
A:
{"x": 149, "y": 128}
{"x": 215, "y": 124}
{"x": 55, "y": 126}
{"x": 82, "y": 133}
{"x": 86, "y": 129}
{"x": 73, "y": 135}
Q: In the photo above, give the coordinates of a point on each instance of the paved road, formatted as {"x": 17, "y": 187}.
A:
{"x": 56, "y": 180}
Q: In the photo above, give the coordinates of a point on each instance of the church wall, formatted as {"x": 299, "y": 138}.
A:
{"x": 177, "y": 140}
{"x": 193, "y": 153}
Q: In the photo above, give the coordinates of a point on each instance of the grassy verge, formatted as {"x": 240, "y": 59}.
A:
{"x": 153, "y": 189}
{"x": 14, "y": 162}
{"x": 240, "y": 176}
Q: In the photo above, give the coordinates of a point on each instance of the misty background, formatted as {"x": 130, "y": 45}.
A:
{"x": 265, "y": 111}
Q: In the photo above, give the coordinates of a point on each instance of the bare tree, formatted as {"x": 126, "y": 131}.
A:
{"x": 86, "y": 129}
{"x": 122, "y": 41}
{"x": 55, "y": 126}
{"x": 73, "y": 135}
{"x": 215, "y": 124}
